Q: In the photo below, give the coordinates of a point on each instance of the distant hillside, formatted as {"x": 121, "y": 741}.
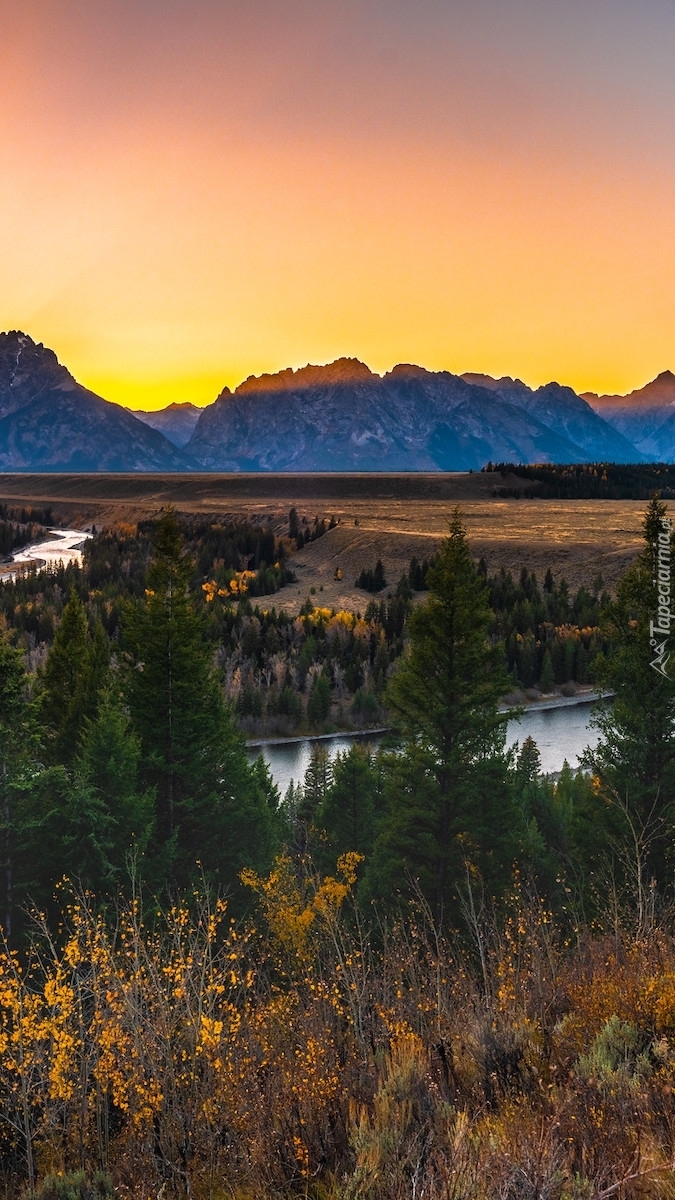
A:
{"x": 562, "y": 409}
{"x": 585, "y": 481}
{"x": 176, "y": 422}
{"x": 49, "y": 422}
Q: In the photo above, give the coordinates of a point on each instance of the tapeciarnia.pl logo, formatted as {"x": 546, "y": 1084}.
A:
{"x": 659, "y": 630}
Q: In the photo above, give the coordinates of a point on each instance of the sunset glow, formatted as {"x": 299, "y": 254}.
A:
{"x": 195, "y": 192}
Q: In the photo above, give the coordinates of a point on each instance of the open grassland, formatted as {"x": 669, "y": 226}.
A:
{"x": 391, "y": 517}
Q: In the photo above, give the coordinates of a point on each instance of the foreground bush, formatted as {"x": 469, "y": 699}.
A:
{"x": 190, "y": 1057}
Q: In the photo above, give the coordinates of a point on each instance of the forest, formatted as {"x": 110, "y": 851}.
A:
{"x": 586, "y": 481}
{"x": 426, "y": 971}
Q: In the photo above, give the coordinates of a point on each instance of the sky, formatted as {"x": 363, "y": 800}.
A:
{"x": 193, "y": 191}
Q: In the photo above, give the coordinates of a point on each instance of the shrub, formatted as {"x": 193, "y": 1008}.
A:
{"x": 75, "y": 1186}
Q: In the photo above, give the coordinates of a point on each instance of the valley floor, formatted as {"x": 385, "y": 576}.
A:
{"x": 391, "y": 517}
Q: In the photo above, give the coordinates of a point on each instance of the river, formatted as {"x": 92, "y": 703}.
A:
{"x": 561, "y": 733}
{"x": 65, "y": 545}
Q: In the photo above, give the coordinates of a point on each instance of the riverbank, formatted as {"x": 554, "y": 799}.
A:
{"x": 562, "y": 734}
{"x": 338, "y": 734}
{"x": 547, "y": 704}
{"x": 554, "y": 700}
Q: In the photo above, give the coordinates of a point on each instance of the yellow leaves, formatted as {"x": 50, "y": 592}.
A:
{"x": 72, "y": 952}
{"x": 211, "y": 590}
{"x": 347, "y": 865}
{"x": 210, "y": 1032}
{"x": 301, "y": 1154}
{"x": 334, "y": 620}
{"x": 289, "y": 919}
{"x": 239, "y": 584}
{"x": 291, "y": 912}
{"x": 131, "y": 1013}
{"x": 319, "y": 616}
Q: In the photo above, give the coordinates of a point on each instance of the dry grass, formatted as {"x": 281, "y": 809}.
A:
{"x": 389, "y": 517}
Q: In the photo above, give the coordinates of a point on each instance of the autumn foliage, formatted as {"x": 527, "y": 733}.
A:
{"x": 184, "y": 1054}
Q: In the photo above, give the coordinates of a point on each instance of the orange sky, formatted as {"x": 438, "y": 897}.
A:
{"x": 196, "y": 190}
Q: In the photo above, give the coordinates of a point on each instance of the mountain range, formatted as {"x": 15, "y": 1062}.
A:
{"x": 339, "y": 417}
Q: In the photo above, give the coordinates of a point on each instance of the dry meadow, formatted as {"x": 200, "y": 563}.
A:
{"x": 391, "y": 517}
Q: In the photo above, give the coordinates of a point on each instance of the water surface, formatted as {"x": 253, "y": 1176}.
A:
{"x": 64, "y": 545}
{"x": 561, "y": 734}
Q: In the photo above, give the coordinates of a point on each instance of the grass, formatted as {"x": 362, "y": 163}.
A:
{"x": 392, "y": 517}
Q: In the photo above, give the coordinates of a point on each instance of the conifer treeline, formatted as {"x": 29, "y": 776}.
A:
{"x": 585, "y": 481}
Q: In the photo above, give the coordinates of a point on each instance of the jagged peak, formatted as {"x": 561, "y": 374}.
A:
{"x": 17, "y": 335}
{"x": 659, "y": 391}
{"x": 343, "y": 370}
{"x": 407, "y": 371}
{"x": 20, "y": 354}
{"x": 504, "y": 383}
{"x": 556, "y": 388}
{"x": 17, "y": 338}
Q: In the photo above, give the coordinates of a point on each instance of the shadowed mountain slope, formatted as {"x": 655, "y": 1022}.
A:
{"x": 646, "y": 416}
{"x": 176, "y": 421}
{"x": 561, "y": 409}
{"x": 49, "y": 422}
{"x": 342, "y": 417}
{"x": 339, "y": 417}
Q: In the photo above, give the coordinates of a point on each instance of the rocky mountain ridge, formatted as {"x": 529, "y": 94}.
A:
{"x": 338, "y": 417}
{"x": 176, "y": 421}
{"x": 49, "y": 422}
{"x": 343, "y": 417}
{"x": 646, "y": 416}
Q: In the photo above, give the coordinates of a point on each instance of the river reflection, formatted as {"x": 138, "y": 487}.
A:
{"x": 560, "y": 733}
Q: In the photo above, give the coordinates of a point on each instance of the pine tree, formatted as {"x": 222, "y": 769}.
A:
{"x": 635, "y": 758}
{"x": 108, "y": 766}
{"x": 346, "y": 814}
{"x": 208, "y": 806}
{"x": 32, "y": 801}
{"x": 449, "y": 795}
{"x": 71, "y": 677}
{"x": 318, "y": 703}
{"x": 547, "y": 673}
{"x": 12, "y": 748}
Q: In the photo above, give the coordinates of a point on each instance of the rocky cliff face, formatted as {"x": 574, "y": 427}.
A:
{"x": 49, "y": 422}
{"x": 344, "y": 418}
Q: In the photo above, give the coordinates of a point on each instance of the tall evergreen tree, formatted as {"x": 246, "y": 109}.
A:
{"x": 208, "y": 805}
{"x": 31, "y": 801}
{"x": 74, "y": 672}
{"x": 635, "y": 757}
{"x": 12, "y": 751}
{"x": 347, "y": 812}
{"x": 108, "y": 766}
{"x": 449, "y": 796}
